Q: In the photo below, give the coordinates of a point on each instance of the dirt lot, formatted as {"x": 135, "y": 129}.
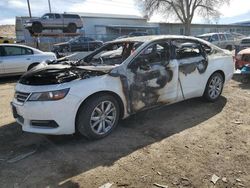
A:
{"x": 181, "y": 145}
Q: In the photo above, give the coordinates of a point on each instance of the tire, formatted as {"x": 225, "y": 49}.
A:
{"x": 37, "y": 27}
{"x": 72, "y": 28}
{"x": 91, "y": 122}
{"x": 214, "y": 87}
{"x": 32, "y": 66}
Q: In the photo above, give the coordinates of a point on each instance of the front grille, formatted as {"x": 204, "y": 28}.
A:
{"x": 245, "y": 41}
{"x": 21, "y": 97}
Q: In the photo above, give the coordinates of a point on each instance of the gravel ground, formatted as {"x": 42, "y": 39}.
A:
{"x": 181, "y": 145}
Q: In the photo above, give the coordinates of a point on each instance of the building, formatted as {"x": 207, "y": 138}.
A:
{"x": 109, "y": 26}
{"x": 198, "y": 29}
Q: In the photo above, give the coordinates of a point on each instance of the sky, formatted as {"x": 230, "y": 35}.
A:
{"x": 238, "y": 10}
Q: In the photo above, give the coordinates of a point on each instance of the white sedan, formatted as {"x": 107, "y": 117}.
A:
{"x": 16, "y": 59}
{"x": 90, "y": 96}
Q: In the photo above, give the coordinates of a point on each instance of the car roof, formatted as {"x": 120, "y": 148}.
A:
{"x": 245, "y": 51}
{"x": 151, "y": 38}
{"x": 246, "y": 38}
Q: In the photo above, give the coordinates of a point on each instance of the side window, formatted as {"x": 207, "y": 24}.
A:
{"x": 222, "y": 37}
{"x": 1, "y": 51}
{"x": 57, "y": 16}
{"x": 27, "y": 51}
{"x": 186, "y": 49}
{"x": 14, "y": 51}
{"x": 229, "y": 37}
{"x": 155, "y": 53}
{"x": 48, "y": 16}
{"x": 214, "y": 38}
{"x": 87, "y": 39}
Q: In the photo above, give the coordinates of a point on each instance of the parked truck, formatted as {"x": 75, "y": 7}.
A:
{"x": 69, "y": 23}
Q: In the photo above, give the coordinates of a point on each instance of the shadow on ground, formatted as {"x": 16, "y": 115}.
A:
{"x": 8, "y": 80}
{"x": 243, "y": 80}
{"x": 61, "y": 157}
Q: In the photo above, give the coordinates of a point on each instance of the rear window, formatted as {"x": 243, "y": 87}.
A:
{"x": 222, "y": 37}
{"x": 57, "y": 16}
{"x": 71, "y": 16}
{"x": 229, "y": 37}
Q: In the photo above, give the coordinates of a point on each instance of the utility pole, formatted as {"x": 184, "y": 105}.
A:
{"x": 49, "y": 6}
{"x": 28, "y": 2}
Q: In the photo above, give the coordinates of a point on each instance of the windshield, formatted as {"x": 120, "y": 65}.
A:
{"x": 112, "y": 53}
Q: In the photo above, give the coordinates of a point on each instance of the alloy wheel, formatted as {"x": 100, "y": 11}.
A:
{"x": 103, "y": 117}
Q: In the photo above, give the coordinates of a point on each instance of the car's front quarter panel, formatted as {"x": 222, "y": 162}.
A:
{"x": 82, "y": 89}
{"x": 63, "y": 111}
{"x": 60, "y": 111}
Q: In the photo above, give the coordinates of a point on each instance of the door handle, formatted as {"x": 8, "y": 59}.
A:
{"x": 28, "y": 59}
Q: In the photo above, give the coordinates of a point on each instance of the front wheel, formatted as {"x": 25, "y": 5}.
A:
{"x": 98, "y": 116}
{"x": 214, "y": 87}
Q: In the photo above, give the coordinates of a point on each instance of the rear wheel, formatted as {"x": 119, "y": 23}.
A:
{"x": 98, "y": 116}
{"x": 72, "y": 28}
{"x": 37, "y": 28}
{"x": 214, "y": 87}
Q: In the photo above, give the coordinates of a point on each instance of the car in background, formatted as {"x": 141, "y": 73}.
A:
{"x": 134, "y": 34}
{"x": 17, "y": 59}
{"x": 242, "y": 58}
{"x": 244, "y": 43}
{"x": 6, "y": 40}
{"x": 222, "y": 40}
{"x": 69, "y": 23}
{"x": 137, "y": 34}
{"x": 77, "y": 44}
{"x": 90, "y": 95}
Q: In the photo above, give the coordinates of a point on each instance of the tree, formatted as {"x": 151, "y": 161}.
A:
{"x": 184, "y": 10}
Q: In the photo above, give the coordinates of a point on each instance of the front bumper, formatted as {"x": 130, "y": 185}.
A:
{"x": 27, "y": 25}
{"x": 62, "y": 112}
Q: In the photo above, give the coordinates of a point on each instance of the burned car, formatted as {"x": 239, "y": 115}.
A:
{"x": 242, "y": 58}
{"x": 121, "y": 78}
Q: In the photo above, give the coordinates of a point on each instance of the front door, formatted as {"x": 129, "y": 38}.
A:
{"x": 152, "y": 77}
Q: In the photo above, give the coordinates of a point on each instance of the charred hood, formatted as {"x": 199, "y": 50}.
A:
{"x": 44, "y": 74}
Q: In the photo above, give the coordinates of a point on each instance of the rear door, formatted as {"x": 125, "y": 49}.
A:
{"x": 16, "y": 59}
{"x": 193, "y": 62}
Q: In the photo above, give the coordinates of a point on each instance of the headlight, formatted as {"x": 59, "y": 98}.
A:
{"x": 49, "y": 95}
